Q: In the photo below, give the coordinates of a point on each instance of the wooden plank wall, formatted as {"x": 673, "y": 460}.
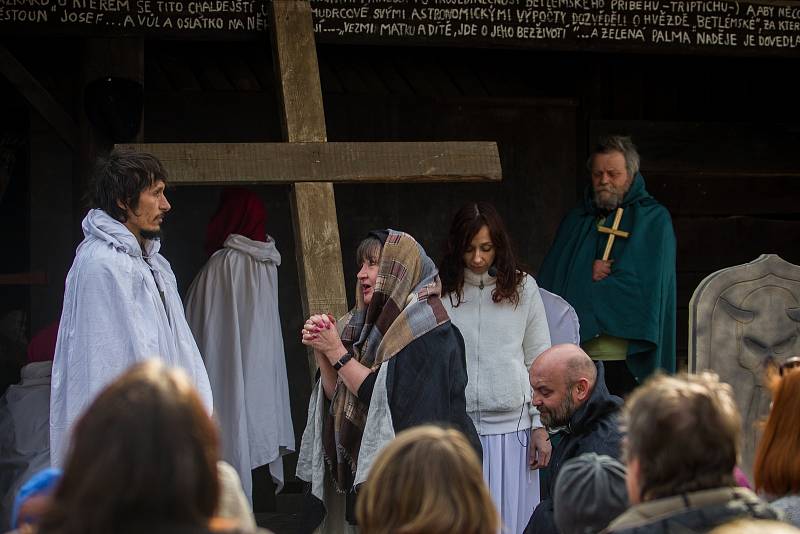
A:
{"x": 404, "y": 94}
{"x": 717, "y": 136}
{"x": 531, "y": 198}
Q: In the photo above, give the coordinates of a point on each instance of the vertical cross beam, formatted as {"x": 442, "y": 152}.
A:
{"x": 613, "y": 233}
{"x": 316, "y": 230}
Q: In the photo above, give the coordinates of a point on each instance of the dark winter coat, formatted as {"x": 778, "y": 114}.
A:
{"x": 592, "y": 428}
{"x": 692, "y": 513}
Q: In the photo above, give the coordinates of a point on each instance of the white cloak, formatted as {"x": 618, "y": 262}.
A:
{"x": 232, "y": 308}
{"x": 114, "y": 317}
{"x": 24, "y": 445}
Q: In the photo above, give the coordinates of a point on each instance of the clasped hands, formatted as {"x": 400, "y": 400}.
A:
{"x": 320, "y": 333}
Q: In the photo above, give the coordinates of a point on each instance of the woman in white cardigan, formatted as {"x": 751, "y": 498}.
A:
{"x": 497, "y": 307}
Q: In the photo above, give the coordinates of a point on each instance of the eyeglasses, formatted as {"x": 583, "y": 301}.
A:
{"x": 790, "y": 363}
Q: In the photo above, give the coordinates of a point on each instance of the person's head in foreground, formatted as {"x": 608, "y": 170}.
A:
{"x": 143, "y": 455}
{"x": 776, "y": 468}
{"x": 683, "y": 435}
{"x": 590, "y": 492}
{"x": 427, "y": 480}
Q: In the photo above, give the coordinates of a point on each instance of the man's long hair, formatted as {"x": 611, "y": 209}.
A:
{"x": 120, "y": 178}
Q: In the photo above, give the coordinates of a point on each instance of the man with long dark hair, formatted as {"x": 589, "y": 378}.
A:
{"x": 121, "y": 302}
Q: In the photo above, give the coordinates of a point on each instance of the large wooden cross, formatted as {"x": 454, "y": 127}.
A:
{"x": 312, "y": 165}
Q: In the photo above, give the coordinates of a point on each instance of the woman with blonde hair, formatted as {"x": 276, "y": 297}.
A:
{"x": 427, "y": 480}
{"x": 777, "y": 465}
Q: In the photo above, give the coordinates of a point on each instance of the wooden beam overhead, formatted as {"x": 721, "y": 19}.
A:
{"x": 38, "y": 97}
{"x": 228, "y": 163}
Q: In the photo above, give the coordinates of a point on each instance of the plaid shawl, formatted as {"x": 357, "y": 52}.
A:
{"x": 405, "y": 305}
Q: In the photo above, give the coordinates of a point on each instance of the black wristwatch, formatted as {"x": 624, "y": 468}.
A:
{"x": 343, "y": 360}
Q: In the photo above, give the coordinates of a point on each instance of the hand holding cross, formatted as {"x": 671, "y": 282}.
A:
{"x": 612, "y": 232}
{"x": 602, "y": 268}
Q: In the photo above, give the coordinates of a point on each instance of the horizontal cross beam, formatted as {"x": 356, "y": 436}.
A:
{"x": 251, "y": 163}
{"x": 618, "y": 233}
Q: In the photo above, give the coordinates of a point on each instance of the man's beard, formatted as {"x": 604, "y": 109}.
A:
{"x": 609, "y": 202}
{"x": 612, "y": 199}
{"x": 560, "y": 416}
{"x": 150, "y": 234}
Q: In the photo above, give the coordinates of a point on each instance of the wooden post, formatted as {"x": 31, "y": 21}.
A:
{"x": 316, "y": 230}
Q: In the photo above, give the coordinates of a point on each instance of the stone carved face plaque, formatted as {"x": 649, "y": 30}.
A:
{"x": 742, "y": 319}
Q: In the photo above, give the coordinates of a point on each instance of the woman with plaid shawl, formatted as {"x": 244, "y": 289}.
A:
{"x": 393, "y": 362}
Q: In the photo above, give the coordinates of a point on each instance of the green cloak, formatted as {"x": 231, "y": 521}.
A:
{"x": 637, "y": 301}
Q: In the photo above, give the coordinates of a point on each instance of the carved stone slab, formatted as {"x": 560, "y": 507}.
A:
{"x": 740, "y": 319}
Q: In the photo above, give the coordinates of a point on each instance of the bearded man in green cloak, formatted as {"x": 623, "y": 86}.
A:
{"x": 626, "y": 303}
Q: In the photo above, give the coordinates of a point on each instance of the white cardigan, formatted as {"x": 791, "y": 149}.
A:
{"x": 502, "y": 340}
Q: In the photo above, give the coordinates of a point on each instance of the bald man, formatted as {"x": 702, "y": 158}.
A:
{"x": 570, "y": 392}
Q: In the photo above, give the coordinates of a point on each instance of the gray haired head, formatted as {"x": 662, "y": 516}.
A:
{"x": 617, "y": 143}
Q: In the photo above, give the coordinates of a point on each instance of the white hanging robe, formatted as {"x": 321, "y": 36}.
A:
{"x": 232, "y": 308}
{"x": 120, "y": 308}
{"x": 24, "y": 442}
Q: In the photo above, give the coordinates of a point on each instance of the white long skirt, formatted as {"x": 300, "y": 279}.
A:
{"x": 514, "y": 487}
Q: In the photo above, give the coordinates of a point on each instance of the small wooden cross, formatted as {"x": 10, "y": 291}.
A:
{"x": 612, "y": 232}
